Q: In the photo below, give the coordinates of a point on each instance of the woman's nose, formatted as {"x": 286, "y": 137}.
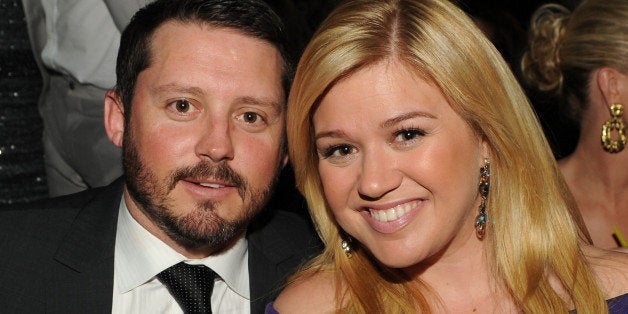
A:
{"x": 379, "y": 175}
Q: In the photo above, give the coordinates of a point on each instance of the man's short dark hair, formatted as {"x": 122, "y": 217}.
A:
{"x": 252, "y": 17}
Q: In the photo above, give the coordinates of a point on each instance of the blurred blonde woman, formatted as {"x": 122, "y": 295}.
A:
{"x": 583, "y": 57}
{"x": 428, "y": 176}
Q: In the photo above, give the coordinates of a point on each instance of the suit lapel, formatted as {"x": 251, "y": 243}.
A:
{"x": 263, "y": 274}
{"x": 87, "y": 252}
{"x": 263, "y": 267}
{"x": 277, "y": 246}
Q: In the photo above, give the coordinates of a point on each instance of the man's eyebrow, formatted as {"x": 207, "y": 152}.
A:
{"x": 192, "y": 90}
{"x": 256, "y": 101}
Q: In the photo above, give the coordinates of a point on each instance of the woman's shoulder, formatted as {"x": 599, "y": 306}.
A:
{"x": 611, "y": 269}
{"x": 311, "y": 293}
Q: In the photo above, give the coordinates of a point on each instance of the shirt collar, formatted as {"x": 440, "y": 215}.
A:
{"x": 140, "y": 256}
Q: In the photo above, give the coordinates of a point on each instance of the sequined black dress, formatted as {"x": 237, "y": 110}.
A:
{"x": 22, "y": 175}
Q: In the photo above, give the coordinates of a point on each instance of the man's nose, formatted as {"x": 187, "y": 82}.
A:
{"x": 216, "y": 141}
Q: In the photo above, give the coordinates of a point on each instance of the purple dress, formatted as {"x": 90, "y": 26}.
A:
{"x": 616, "y": 305}
{"x": 270, "y": 309}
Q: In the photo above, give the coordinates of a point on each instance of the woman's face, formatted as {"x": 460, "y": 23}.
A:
{"x": 399, "y": 167}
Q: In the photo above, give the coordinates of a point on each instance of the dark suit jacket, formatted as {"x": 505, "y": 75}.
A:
{"x": 57, "y": 255}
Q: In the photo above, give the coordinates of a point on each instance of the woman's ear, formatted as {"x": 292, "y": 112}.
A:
{"x": 608, "y": 81}
{"x": 114, "y": 118}
{"x": 484, "y": 151}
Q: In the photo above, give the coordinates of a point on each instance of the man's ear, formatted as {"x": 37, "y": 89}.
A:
{"x": 285, "y": 161}
{"x": 114, "y": 117}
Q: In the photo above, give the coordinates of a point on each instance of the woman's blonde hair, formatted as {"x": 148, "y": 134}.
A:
{"x": 565, "y": 48}
{"x": 533, "y": 225}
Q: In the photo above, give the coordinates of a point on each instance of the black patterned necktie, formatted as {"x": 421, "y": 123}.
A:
{"x": 190, "y": 285}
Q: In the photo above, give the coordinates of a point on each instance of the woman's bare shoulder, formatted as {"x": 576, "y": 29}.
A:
{"x": 314, "y": 293}
{"x": 611, "y": 269}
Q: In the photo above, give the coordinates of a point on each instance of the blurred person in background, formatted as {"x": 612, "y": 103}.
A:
{"x": 582, "y": 56}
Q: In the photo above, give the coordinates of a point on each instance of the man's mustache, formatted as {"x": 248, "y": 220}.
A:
{"x": 206, "y": 169}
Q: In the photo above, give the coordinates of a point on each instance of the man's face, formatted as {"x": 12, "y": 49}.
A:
{"x": 203, "y": 150}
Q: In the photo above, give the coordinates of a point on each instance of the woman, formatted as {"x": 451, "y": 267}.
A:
{"x": 583, "y": 57}
{"x": 428, "y": 176}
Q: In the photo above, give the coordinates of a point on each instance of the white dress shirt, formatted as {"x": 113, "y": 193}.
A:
{"x": 82, "y": 41}
{"x": 140, "y": 256}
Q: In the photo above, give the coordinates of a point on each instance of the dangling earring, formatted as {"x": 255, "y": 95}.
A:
{"x": 615, "y": 123}
{"x": 485, "y": 182}
{"x": 344, "y": 244}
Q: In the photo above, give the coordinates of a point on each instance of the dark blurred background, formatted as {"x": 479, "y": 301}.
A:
{"x": 22, "y": 176}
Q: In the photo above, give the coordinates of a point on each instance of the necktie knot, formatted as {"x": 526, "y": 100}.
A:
{"x": 190, "y": 285}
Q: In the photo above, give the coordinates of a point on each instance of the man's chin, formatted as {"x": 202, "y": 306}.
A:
{"x": 209, "y": 245}
{"x": 205, "y": 231}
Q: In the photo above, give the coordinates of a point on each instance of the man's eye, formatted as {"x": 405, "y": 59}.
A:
{"x": 182, "y": 105}
{"x": 250, "y": 117}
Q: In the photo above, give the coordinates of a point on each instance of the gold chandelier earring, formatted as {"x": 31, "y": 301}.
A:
{"x": 614, "y": 124}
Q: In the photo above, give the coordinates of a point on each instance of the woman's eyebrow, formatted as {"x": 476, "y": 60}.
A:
{"x": 406, "y": 116}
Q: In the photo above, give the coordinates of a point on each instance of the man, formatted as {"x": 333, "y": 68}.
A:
{"x": 199, "y": 113}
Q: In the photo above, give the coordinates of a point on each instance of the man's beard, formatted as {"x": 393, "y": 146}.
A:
{"x": 201, "y": 227}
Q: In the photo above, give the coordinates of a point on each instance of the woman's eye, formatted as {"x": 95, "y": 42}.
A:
{"x": 408, "y": 135}
{"x": 338, "y": 151}
{"x": 182, "y": 105}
